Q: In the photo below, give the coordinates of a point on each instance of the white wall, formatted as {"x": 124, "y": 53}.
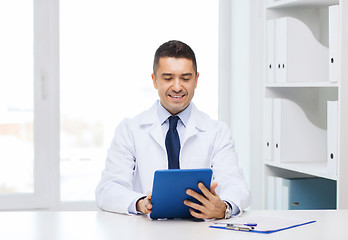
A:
{"x": 241, "y": 85}
{"x": 256, "y": 90}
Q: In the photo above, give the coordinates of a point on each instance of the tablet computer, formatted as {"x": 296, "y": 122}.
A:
{"x": 169, "y": 191}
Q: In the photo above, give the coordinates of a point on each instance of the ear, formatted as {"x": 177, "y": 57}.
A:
{"x": 154, "y": 81}
{"x": 196, "y": 79}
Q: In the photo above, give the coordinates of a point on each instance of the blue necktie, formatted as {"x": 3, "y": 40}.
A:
{"x": 173, "y": 143}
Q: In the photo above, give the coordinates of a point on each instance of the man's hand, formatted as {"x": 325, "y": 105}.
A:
{"x": 212, "y": 206}
{"x": 144, "y": 204}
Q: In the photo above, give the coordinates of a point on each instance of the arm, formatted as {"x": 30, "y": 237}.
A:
{"x": 232, "y": 185}
{"x": 114, "y": 192}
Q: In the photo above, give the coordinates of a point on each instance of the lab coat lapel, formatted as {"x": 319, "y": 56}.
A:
{"x": 194, "y": 126}
{"x": 150, "y": 120}
{"x": 156, "y": 133}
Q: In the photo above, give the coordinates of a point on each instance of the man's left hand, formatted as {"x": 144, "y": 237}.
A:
{"x": 211, "y": 204}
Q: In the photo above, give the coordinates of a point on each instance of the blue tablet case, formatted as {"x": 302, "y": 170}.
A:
{"x": 169, "y": 191}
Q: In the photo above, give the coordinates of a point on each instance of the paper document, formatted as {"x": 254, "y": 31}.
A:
{"x": 261, "y": 224}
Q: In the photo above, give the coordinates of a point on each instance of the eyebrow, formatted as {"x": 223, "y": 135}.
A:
{"x": 186, "y": 74}
{"x": 170, "y": 74}
{"x": 166, "y": 74}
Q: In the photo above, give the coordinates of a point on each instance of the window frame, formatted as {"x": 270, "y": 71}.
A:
{"x": 47, "y": 110}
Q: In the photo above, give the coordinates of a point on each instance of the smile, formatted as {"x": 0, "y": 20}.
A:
{"x": 176, "y": 96}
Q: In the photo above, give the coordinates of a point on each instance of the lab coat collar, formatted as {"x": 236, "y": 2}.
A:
{"x": 163, "y": 114}
{"x": 196, "y": 123}
{"x": 149, "y": 117}
{"x": 197, "y": 118}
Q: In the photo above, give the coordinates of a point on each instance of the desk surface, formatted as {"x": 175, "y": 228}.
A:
{"x": 99, "y": 225}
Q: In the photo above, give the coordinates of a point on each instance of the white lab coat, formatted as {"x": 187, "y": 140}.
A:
{"x": 138, "y": 150}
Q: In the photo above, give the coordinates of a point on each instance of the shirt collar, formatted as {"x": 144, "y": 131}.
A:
{"x": 163, "y": 114}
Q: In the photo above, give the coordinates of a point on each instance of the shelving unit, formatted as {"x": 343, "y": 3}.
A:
{"x": 295, "y": 130}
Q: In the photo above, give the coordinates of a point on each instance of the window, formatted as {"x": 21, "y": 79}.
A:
{"x": 106, "y": 65}
{"x": 28, "y": 105}
{"x": 16, "y": 97}
{"x": 85, "y": 66}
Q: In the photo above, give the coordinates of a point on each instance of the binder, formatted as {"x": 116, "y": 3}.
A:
{"x": 270, "y": 40}
{"x": 267, "y": 142}
{"x": 333, "y": 43}
{"x": 282, "y": 195}
{"x": 271, "y": 190}
{"x": 296, "y": 138}
{"x": 299, "y": 56}
{"x": 332, "y": 137}
{"x": 281, "y": 43}
{"x": 276, "y": 121}
{"x": 277, "y": 193}
{"x": 311, "y": 193}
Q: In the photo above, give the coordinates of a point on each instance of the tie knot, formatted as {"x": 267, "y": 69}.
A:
{"x": 173, "y": 121}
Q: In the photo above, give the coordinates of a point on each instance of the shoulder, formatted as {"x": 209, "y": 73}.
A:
{"x": 217, "y": 130}
{"x": 147, "y": 117}
{"x": 205, "y": 122}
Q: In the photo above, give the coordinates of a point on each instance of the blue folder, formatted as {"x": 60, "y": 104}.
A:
{"x": 169, "y": 191}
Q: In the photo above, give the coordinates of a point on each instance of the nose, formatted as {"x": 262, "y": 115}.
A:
{"x": 176, "y": 86}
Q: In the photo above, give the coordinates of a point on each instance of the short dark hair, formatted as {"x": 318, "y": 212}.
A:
{"x": 174, "y": 49}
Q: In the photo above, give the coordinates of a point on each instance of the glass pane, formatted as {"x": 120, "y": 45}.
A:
{"x": 16, "y": 97}
{"x": 107, "y": 49}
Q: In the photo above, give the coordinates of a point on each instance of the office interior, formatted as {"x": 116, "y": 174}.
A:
{"x": 61, "y": 89}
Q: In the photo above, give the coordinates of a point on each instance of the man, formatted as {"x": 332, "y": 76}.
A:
{"x": 141, "y": 146}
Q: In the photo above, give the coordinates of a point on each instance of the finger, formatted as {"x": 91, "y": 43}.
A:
{"x": 194, "y": 205}
{"x": 148, "y": 204}
{"x": 196, "y": 214}
{"x": 197, "y": 196}
{"x": 213, "y": 187}
{"x": 146, "y": 210}
{"x": 148, "y": 200}
{"x": 205, "y": 191}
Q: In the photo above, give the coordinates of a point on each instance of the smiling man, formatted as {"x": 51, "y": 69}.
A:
{"x": 173, "y": 133}
{"x": 175, "y": 80}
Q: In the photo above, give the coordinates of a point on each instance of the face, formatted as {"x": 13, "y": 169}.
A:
{"x": 175, "y": 81}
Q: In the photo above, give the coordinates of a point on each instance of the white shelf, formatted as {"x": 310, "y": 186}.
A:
{"x": 316, "y": 169}
{"x": 311, "y": 96}
{"x": 300, "y": 3}
{"x": 300, "y": 84}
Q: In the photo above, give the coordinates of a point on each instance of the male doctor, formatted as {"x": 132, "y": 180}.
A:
{"x": 139, "y": 147}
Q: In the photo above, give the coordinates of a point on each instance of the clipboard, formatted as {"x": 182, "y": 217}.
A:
{"x": 169, "y": 191}
{"x": 261, "y": 224}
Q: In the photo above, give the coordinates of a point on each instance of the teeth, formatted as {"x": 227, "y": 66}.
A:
{"x": 176, "y": 96}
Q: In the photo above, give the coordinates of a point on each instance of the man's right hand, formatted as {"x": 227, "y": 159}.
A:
{"x": 144, "y": 204}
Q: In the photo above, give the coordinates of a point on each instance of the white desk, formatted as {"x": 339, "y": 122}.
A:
{"x": 103, "y": 226}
